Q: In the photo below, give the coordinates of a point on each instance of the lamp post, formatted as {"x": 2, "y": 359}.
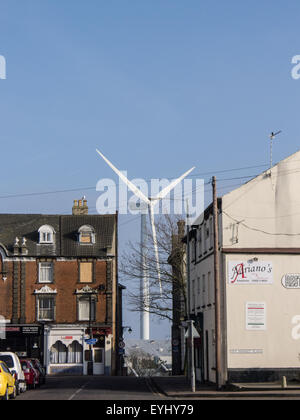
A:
{"x": 121, "y": 347}
{"x": 92, "y": 298}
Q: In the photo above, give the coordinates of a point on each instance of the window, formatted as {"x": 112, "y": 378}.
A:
{"x": 45, "y": 272}
{"x": 204, "y": 237}
{"x": 200, "y": 241}
{"x": 193, "y": 295}
{"x": 86, "y": 235}
{"x": 211, "y": 233}
{"x": 58, "y": 353}
{"x": 86, "y": 308}
{"x": 46, "y": 234}
{"x": 193, "y": 249}
{"x": 75, "y": 353}
{"x": 86, "y": 272}
{"x": 203, "y": 290}
{"x": 98, "y": 356}
{"x": 4, "y": 368}
{"x": 209, "y": 288}
{"x": 198, "y": 291}
{"x": 45, "y": 308}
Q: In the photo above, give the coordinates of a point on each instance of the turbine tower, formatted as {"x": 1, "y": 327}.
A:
{"x": 149, "y": 204}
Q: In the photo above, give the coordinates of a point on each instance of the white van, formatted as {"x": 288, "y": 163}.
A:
{"x": 14, "y": 365}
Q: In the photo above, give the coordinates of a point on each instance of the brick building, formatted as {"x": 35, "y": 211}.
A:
{"x": 58, "y": 288}
{"x": 177, "y": 260}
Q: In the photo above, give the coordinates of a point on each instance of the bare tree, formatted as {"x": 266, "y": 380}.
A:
{"x": 142, "y": 362}
{"x": 172, "y": 270}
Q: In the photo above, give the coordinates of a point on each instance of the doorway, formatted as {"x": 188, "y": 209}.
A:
{"x": 98, "y": 361}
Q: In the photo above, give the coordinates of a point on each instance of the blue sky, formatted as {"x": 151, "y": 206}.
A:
{"x": 158, "y": 86}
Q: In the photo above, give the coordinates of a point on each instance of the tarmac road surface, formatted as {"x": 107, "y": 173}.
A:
{"x": 94, "y": 388}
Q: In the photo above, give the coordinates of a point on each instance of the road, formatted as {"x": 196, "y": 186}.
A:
{"x": 93, "y": 388}
{"x": 106, "y": 388}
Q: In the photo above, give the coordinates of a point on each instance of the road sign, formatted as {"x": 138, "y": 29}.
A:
{"x": 91, "y": 341}
{"x": 121, "y": 345}
{"x": 195, "y": 333}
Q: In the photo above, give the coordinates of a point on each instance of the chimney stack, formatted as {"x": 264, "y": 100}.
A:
{"x": 181, "y": 228}
{"x": 80, "y": 207}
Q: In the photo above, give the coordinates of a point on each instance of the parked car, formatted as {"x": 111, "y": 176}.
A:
{"x": 37, "y": 365}
{"x": 13, "y": 363}
{"x": 32, "y": 375}
{"x": 7, "y": 383}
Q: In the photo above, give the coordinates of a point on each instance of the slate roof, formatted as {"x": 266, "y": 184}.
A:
{"x": 66, "y": 240}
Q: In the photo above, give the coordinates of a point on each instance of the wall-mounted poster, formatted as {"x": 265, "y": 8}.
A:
{"x": 255, "y": 316}
{"x": 250, "y": 272}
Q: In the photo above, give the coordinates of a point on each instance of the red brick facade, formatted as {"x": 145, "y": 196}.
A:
{"x": 58, "y": 276}
{"x": 65, "y": 282}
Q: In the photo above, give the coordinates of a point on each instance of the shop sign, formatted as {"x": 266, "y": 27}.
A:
{"x": 12, "y": 329}
{"x": 31, "y": 330}
{"x": 291, "y": 281}
{"x": 250, "y": 272}
{"x": 255, "y": 316}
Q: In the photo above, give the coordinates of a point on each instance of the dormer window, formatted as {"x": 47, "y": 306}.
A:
{"x": 46, "y": 233}
{"x": 86, "y": 235}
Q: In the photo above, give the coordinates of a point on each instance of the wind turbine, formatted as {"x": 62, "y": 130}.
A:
{"x": 150, "y": 202}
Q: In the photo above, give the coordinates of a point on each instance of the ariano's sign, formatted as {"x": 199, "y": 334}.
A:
{"x": 250, "y": 272}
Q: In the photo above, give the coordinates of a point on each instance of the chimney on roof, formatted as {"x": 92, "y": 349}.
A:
{"x": 181, "y": 228}
{"x": 80, "y": 207}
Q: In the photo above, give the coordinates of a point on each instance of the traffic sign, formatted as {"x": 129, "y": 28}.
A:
{"x": 194, "y": 332}
{"x": 91, "y": 341}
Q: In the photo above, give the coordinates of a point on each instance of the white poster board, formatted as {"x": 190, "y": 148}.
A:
{"x": 256, "y": 316}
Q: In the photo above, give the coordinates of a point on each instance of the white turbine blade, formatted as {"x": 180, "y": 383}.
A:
{"x": 151, "y": 214}
{"x": 129, "y": 184}
{"x": 163, "y": 193}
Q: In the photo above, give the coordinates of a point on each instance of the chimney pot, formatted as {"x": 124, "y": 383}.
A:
{"x": 80, "y": 207}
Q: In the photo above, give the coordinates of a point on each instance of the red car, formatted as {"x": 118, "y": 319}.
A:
{"x": 31, "y": 374}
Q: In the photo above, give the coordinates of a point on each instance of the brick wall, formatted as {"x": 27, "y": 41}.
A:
{"x": 22, "y": 281}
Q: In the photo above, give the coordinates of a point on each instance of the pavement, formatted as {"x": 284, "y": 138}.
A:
{"x": 179, "y": 387}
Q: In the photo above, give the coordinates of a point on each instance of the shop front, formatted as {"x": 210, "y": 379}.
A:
{"x": 24, "y": 340}
{"x": 72, "y": 350}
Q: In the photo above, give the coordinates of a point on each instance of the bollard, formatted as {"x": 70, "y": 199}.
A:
{"x": 283, "y": 382}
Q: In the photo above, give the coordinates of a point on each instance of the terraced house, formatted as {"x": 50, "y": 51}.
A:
{"x": 58, "y": 289}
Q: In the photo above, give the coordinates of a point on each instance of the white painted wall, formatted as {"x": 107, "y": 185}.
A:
{"x": 279, "y": 343}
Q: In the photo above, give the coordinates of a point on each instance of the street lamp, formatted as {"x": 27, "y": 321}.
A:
{"x": 127, "y": 328}
{"x": 121, "y": 348}
{"x": 92, "y": 298}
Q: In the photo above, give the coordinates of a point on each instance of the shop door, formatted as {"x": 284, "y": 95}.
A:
{"x": 98, "y": 365}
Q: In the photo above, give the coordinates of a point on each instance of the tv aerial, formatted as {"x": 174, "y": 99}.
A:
{"x": 272, "y": 137}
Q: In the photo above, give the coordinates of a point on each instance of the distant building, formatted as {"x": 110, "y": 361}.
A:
{"x": 157, "y": 351}
{"x": 259, "y": 226}
{"x": 177, "y": 260}
{"x": 58, "y": 288}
